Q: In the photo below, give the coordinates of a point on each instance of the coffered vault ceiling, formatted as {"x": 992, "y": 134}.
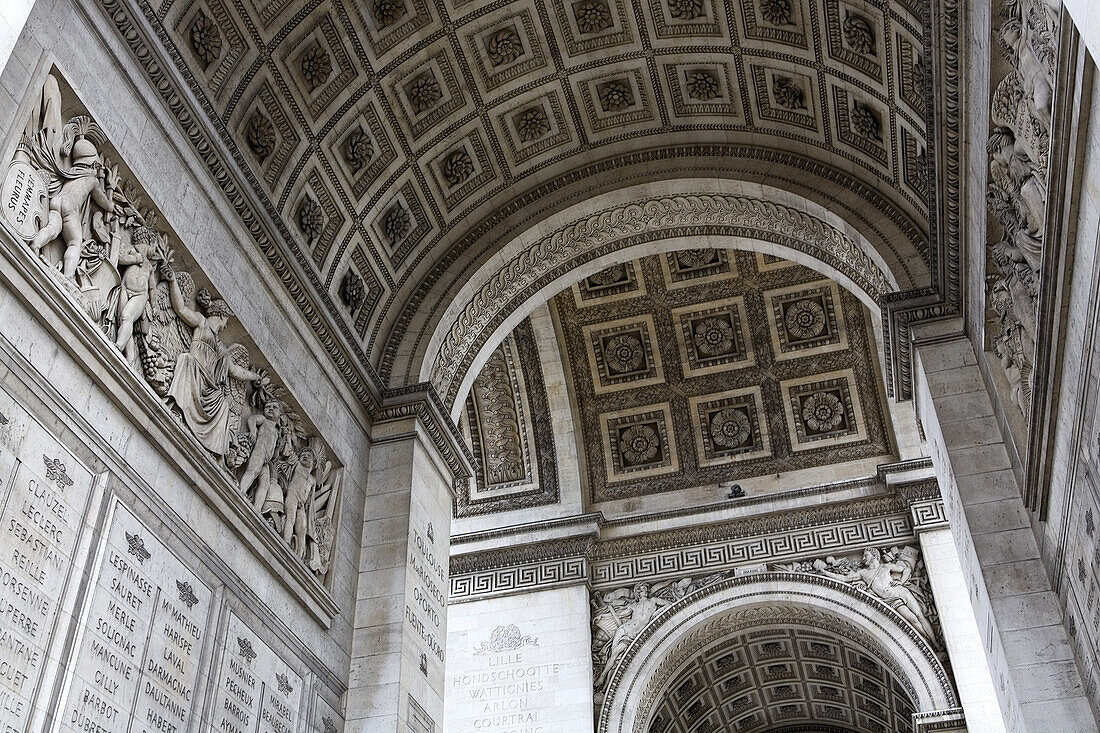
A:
{"x": 784, "y": 677}
{"x": 704, "y": 366}
{"x": 403, "y": 141}
{"x": 685, "y": 369}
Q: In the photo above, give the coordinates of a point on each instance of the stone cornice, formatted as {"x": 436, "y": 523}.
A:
{"x": 523, "y": 554}
{"x": 421, "y": 402}
{"x": 951, "y": 719}
{"x": 781, "y": 521}
{"x": 580, "y": 555}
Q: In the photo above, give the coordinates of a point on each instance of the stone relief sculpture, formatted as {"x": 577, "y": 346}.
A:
{"x": 894, "y": 576}
{"x": 620, "y": 615}
{"x": 86, "y": 222}
{"x": 1019, "y": 152}
{"x": 206, "y": 384}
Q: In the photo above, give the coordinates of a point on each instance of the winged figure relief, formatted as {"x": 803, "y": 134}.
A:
{"x": 620, "y": 615}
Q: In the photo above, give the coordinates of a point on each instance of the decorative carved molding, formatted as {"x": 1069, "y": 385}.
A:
{"x": 508, "y": 420}
{"x": 193, "y": 72}
{"x": 713, "y": 548}
{"x": 526, "y": 567}
{"x": 928, "y": 515}
{"x": 623, "y": 226}
{"x": 420, "y": 401}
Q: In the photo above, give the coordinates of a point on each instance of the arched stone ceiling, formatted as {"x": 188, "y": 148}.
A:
{"x": 401, "y": 141}
{"x": 684, "y": 369}
{"x": 780, "y": 678}
{"x": 758, "y": 605}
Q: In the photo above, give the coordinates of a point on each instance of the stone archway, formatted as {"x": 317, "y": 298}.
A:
{"x": 631, "y": 222}
{"x": 700, "y": 623}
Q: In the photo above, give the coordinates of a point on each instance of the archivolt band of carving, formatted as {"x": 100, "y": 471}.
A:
{"x": 613, "y": 228}
{"x": 725, "y": 618}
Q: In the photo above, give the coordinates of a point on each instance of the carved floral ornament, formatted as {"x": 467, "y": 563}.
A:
{"x": 358, "y": 150}
{"x": 686, "y": 9}
{"x": 532, "y": 124}
{"x": 622, "y": 226}
{"x": 205, "y": 38}
{"x": 84, "y": 220}
{"x": 703, "y": 85}
{"x": 504, "y": 46}
{"x": 788, "y": 94}
{"x": 593, "y": 16}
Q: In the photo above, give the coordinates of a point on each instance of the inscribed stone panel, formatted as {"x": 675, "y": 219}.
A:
{"x": 520, "y": 663}
{"x": 44, "y": 495}
{"x": 141, "y": 635}
{"x": 256, "y": 689}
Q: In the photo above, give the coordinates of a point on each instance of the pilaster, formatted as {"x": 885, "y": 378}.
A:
{"x": 1025, "y": 643}
{"x": 400, "y": 629}
{"x": 962, "y": 636}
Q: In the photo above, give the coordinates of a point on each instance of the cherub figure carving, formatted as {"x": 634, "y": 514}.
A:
{"x": 1013, "y": 344}
{"x": 139, "y": 259}
{"x": 264, "y": 431}
{"x": 86, "y": 220}
{"x": 73, "y": 191}
{"x": 200, "y": 386}
{"x": 298, "y": 493}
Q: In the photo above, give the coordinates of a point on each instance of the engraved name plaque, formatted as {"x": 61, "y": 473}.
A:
{"x": 257, "y": 691}
{"x": 137, "y": 662}
{"x": 44, "y": 495}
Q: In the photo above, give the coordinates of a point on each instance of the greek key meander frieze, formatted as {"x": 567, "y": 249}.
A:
{"x": 100, "y": 244}
{"x": 624, "y": 225}
{"x": 751, "y": 550}
{"x": 794, "y": 535}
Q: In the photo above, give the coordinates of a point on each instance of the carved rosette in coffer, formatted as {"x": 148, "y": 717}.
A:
{"x": 102, "y": 246}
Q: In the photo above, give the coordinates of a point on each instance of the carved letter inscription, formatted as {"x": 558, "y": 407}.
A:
{"x": 44, "y": 494}
{"x": 255, "y": 686}
{"x": 143, "y": 630}
{"x": 23, "y": 199}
